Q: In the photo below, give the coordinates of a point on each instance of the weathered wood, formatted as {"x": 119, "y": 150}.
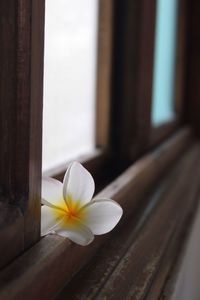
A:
{"x": 89, "y": 283}
{"x": 174, "y": 247}
{"x": 192, "y": 107}
{"x": 145, "y": 79}
{"x": 133, "y": 276}
{"x": 183, "y": 280}
{"x": 7, "y": 96}
{"x": 31, "y": 33}
{"x": 11, "y": 236}
{"x": 132, "y": 77}
{"x": 21, "y": 73}
{"x": 180, "y": 70}
{"x": 104, "y": 73}
{"x": 11, "y": 232}
{"x": 20, "y": 279}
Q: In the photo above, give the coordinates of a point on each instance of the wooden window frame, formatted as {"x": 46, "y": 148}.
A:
{"x": 31, "y": 274}
{"x": 100, "y": 157}
{"x": 21, "y": 61}
{"x": 21, "y": 34}
{"x": 133, "y": 57}
{"x": 160, "y": 132}
{"x": 123, "y": 105}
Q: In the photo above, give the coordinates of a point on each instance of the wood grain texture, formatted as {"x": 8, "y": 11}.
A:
{"x": 127, "y": 267}
{"x": 180, "y": 70}
{"x": 174, "y": 247}
{"x": 193, "y": 65}
{"x": 11, "y": 232}
{"x": 183, "y": 281}
{"x": 104, "y": 72}
{"x": 7, "y": 96}
{"x": 145, "y": 78}
{"x": 21, "y": 73}
{"x": 133, "y": 276}
{"x": 65, "y": 258}
{"x": 34, "y": 164}
{"x": 133, "y": 72}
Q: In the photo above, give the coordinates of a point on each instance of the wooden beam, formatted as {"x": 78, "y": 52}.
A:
{"x": 65, "y": 258}
{"x": 104, "y": 73}
{"x": 135, "y": 262}
{"x": 21, "y": 73}
{"x": 133, "y": 276}
{"x": 132, "y": 77}
{"x": 193, "y": 65}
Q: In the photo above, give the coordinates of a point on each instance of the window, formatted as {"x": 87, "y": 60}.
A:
{"x": 77, "y": 84}
{"x": 164, "y": 62}
{"x": 124, "y": 81}
{"x": 69, "y": 80}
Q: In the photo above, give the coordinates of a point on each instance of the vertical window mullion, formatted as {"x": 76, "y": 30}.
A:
{"x": 21, "y": 62}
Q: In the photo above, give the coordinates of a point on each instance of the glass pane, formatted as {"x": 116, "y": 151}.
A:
{"x": 69, "y": 79}
{"x": 164, "y": 61}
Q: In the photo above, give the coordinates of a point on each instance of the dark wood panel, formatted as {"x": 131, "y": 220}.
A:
{"x": 21, "y": 73}
{"x": 34, "y": 134}
{"x": 193, "y": 65}
{"x": 11, "y": 232}
{"x": 104, "y": 72}
{"x": 133, "y": 70}
{"x": 180, "y": 70}
{"x": 8, "y": 32}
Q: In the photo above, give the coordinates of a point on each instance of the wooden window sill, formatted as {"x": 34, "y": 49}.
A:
{"x": 137, "y": 259}
{"x": 161, "y": 132}
{"x": 30, "y": 276}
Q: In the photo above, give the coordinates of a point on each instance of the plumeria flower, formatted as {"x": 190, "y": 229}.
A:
{"x": 69, "y": 211}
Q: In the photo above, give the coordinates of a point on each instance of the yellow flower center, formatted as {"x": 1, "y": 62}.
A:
{"x": 71, "y": 212}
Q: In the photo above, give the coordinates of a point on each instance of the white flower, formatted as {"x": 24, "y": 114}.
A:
{"x": 69, "y": 211}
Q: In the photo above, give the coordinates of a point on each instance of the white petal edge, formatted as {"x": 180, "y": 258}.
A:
{"x": 80, "y": 235}
{"x": 48, "y": 220}
{"x": 102, "y": 215}
{"x": 52, "y": 192}
{"x": 78, "y": 184}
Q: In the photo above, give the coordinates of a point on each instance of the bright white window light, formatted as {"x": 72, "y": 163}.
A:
{"x": 69, "y": 80}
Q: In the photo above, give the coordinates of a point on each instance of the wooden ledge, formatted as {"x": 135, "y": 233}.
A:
{"x": 46, "y": 267}
{"x": 136, "y": 261}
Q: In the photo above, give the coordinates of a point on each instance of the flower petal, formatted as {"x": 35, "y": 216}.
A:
{"x": 102, "y": 215}
{"x": 52, "y": 192}
{"x": 78, "y": 185}
{"x": 49, "y": 220}
{"x": 79, "y": 234}
{"x": 52, "y": 222}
